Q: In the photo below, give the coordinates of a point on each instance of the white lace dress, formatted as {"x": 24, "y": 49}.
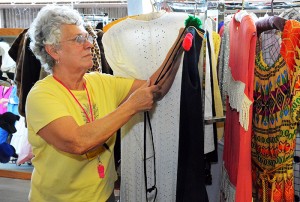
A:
{"x": 135, "y": 48}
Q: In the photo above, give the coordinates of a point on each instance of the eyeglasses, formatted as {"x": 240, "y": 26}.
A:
{"x": 80, "y": 39}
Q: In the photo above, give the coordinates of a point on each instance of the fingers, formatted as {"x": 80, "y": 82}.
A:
{"x": 146, "y": 84}
{"x": 143, "y": 98}
{"x": 154, "y": 88}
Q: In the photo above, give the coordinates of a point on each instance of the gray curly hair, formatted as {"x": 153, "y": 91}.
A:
{"x": 45, "y": 29}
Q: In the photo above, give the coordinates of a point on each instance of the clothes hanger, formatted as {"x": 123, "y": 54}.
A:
{"x": 243, "y": 4}
{"x": 154, "y": 5}
{"x": 195, "y": 8}
{"x": 268, "y": 23}
{"x": 166, "y": 6}
{"x": 266, "y": 14}
{"x": 241, "y": 13}
{"x": 272, "y": 10}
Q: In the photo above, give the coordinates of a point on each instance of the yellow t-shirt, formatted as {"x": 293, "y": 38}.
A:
{"x": 59, "y": 176}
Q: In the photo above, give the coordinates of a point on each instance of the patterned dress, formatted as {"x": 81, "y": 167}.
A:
{"x": 290, "y": 53}
{"x": 273, "y": 137}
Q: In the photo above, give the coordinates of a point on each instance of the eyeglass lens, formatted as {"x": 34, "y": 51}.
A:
{"x": 82, "y": 39}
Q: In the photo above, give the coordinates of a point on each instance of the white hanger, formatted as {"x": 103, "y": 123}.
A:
{"x": 239, "y": 15}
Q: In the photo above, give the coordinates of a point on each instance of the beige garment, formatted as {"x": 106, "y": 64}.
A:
{"x": 216, "y": 89}
{"x": 144, "y": 17}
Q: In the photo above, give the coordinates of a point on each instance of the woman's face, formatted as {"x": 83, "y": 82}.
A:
{"x": 75, "y": 48}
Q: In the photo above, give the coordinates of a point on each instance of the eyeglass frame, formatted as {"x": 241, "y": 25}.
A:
{"x": 81, "y": 39}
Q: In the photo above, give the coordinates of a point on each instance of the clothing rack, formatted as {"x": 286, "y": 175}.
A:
{"x": 191, "y": 7}
{"x": 210, "y": 120}
{"x": 272, "y": 9}
{"x": 94, "y": 19}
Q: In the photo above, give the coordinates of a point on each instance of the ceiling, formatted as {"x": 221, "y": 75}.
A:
{"x": 104, "y": 3}
{"x": 57, "y": 1}
{"x": 75, "y": 3}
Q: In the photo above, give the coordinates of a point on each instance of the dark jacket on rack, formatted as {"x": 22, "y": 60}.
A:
{"x": 191, "y": 170}
{"x": 28, "y": 68}
{"x": 105, "y": 66}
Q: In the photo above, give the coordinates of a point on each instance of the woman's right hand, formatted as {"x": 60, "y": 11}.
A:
{"x": 144, "y": 97}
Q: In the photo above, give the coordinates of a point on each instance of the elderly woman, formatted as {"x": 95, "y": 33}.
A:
{"x": 72, "y": 116}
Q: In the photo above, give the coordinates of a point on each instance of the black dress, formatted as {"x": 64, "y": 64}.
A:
{"x": 191, "y": 175}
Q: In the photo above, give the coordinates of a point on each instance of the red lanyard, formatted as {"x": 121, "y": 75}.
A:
{"x": 91, "y": 110}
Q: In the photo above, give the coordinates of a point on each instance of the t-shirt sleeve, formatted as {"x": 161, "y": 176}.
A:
{"x": 43, "y": 107}
{"x": 122, "y": 86}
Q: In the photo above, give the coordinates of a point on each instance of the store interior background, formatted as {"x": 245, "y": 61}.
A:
{"x": 16, "y": 15}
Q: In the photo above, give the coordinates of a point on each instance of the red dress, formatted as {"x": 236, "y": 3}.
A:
{"x": 236, "y": 180}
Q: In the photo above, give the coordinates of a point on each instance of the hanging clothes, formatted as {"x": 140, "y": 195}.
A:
{"x": 105, "y": 66}
{"x": 290, "y": 14}
{"x": 28, "y": 68}
{"x": 97, "y": 64}
{"x": 7, "y": 126}
{"x": 21, "y": 143}
{"x": 4, "y": 98}
{"x": 295, "y": 15}
{"x": 297, "y": 168}
{"x": 209, "y": 130}
{"x": 7, "y": 63}
{"x": 290, "y": 52}
{"x": 135, "y": 48}
{"x": 19, "y": 137}
{"x": 273, "y": 137}
{"x": 224, "y": 59}
{"x": 13, "y": 101}
{"x": 211, "y": 158}
{"x": 236, "y": 176}
{"x": 191, "y": 175}
{"x": 3, "y": 135}
{"x": 213, "y": 52}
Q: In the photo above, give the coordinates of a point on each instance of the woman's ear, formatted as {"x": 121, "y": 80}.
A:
{"x": 52, "y": 51}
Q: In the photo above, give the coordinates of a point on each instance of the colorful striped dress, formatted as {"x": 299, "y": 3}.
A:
{"x": 273, "y": 137}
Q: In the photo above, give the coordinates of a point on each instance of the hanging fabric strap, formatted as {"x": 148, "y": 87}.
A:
{"x": 171, "y": 59}
{"x": 171, "y": 56}
{"x": 173, "y": 53}
{"x": 153, "y": 188}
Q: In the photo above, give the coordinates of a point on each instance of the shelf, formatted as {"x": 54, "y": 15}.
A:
{"x": 15, "y": 174}
{"x": 13, "y": 32}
